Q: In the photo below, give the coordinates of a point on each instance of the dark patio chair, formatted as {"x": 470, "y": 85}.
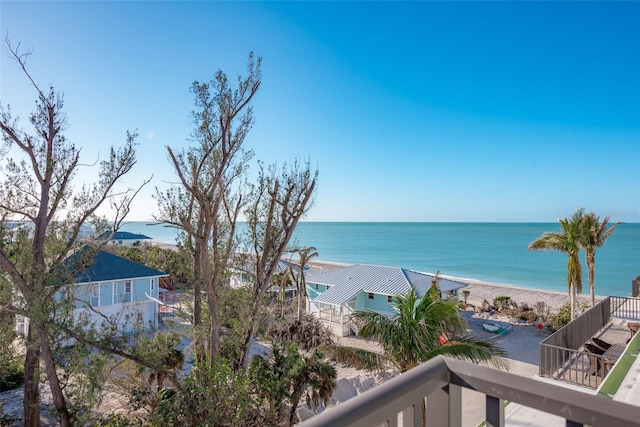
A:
{"x": 633, "y": 327}
{"x": 595, "y": 364}
{"x": 601, "y": 343}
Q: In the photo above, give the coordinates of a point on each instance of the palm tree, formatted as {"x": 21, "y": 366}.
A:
{"x": 595, "y": 233}
{"x": 315, "y": 380}
{"x": 283, "y": 279}
{"x": 306, "y": 254}
{"x": 288, "y": 376}
{"x": 413, "y": 333}
{"x": 164, "y": 351}
{"x": 567, "y": 241}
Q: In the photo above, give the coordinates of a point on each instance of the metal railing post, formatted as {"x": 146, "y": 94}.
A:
{"x": 495, "y": 412}
{"x": 444, "y": 407}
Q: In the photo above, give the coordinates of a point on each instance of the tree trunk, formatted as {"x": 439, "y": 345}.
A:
{"x": 214, "y": 333}
{"x": 197, "y": 304}
{"x": 591, "y": 266}
{"x": 295, "y": 400}
{"x": 244, "y": 360}
{"x": 54, "y": 382}
{"x": 572, "y": 299}
{"x": 197, "y": 320}
{"x": 299, "y": 302}
{"x": 31, "y": 396}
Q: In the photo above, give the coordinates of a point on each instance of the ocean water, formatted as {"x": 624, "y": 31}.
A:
{"x": 495, "y": 252}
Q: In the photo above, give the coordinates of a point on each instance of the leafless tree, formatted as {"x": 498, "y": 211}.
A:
{"x": 36, "y": 191}
{"x": 280, "y": 199}
{"x": 206, "y": 202}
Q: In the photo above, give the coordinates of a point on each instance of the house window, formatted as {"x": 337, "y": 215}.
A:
{"x": 245, "y": 277}
{"x": 127, "y": 291}
{"x": 21, "y": 325}
{"x": 389, "y": 298}
{"x": 316, "y": 286}
{"x": 370, "y": 295}
{"x": 153, "y": 284}
{"x": 94, "y": 295}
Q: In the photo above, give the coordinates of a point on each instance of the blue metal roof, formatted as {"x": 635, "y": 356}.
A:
{"x": 124, "y": 235}
{"x": 106, "y": 266}
{"x": 346, "y": 283}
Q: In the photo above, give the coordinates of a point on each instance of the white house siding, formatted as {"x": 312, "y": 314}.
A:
{"x": 239, "y": 279}
{"x": 129, "y": 242}
{"x": 140, "y": 315}
{"x": 110, "y": 299}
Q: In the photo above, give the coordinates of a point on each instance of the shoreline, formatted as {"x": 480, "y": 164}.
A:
{"x": 480, "y": 290}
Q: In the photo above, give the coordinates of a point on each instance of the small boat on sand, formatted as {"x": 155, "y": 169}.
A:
{"x": 494, "y": 329}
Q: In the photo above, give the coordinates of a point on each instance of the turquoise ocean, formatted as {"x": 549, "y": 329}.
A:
{"x": 494, "y": 252}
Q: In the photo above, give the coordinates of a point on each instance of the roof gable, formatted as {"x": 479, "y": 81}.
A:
{"x": 282, "y": 267}
{"x": 423, "y": 281}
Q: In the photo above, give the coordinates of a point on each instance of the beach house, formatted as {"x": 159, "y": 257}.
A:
{"x": 334, "y": 295}
{"x": 124, "y": 238}
{"x": 243, "y": 276}
{"x": 113, "y": 289}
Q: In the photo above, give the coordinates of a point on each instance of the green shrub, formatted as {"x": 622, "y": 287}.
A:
{"x": 11, "y": 376}
{"x": 118, "y": 420}
{"x": 501, "y": 301}
{"x": 309, "y": 333}
{"x": 563, "y": 316}
{"x": 217, "y": 396}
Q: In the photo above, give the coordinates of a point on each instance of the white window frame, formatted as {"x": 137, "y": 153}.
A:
{"x": 94, "y": 293}
{"x": 370, "y": 295}
{"x": 22, "y": 325}
{"x": 127, "y": 294}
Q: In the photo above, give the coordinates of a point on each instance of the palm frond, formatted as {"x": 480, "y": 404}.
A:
{"x": 549, "y": 241}
{"x": 412, "y": 334}
{"x": 356, "y": 357}
{"x": 472, "y": 349}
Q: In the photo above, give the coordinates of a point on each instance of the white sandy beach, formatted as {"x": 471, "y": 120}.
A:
{"x": 482, "y": 290}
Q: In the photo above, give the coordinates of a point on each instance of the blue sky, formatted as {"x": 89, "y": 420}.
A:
{"x": 412, "y": 111}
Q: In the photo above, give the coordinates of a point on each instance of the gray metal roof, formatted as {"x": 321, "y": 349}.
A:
{"x": 346, "y": 283}
{"x": 339, "y": 295}
{"x": 422, "y": 282}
